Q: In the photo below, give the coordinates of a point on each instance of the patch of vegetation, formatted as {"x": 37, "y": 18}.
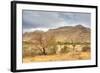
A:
{"x": 51, "y": 51}
{"x": 49, "y": 47}
{"x": 65, "y": 50}
{"x": 35, "y": 52}
{"x": 86, "y": 49}
{"x": 26, "y": 52}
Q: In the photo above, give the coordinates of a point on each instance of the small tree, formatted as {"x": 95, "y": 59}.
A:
{"x": 45, "y": 41}
{"x": 73, "y": 49}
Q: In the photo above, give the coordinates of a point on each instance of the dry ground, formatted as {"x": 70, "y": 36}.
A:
{"x": 58, "y": 57}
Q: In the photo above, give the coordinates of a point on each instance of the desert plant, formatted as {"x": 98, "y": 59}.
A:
{"x": 36, "y": 52}
{"x": 45, "y": 41}
{"x": 65, "y": 49}
{"x": 51, "y": 51}
{"x": 86, "y": 49}
{"x": 26, "y": 52}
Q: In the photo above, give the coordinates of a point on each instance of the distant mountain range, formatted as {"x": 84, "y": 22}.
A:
{"x": 76, "y": 33}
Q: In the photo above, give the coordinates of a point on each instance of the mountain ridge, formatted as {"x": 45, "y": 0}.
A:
{"x": 76, "y": 33}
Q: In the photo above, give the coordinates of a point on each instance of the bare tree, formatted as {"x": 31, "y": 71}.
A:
{"x": 44, "y": 41}
{"x": 73, "y": 49}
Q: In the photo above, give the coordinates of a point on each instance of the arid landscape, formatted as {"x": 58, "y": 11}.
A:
{"x": 60, "y": 44}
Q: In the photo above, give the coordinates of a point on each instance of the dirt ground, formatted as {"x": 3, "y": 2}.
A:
{"x": 58, "y": 57}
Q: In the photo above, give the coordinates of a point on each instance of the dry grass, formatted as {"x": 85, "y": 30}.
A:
{"x": 58, "y": 57}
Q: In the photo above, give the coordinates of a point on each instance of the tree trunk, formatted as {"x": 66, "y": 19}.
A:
{"x": 44, "y": 52}
{"x": 73, "y": 50}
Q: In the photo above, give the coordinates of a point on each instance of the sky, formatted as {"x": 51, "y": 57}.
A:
{"x": 43, "y": 20}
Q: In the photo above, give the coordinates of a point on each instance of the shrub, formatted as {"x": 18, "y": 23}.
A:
{"x": 51, "y": 51}
{"x": 26, "y": 52}
{"x": 65, "y": 49}
{"x": 86, "y": 49}
{"x": 31, "y": 52}
{"x": 36, "y": 52}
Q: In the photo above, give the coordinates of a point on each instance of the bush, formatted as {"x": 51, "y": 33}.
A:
{"x": 36, "y": 52}
{"x": 51, "y": 51}
{"x": 65, "y": 50}
{"x": 31, "y": 52}
{"x": 86, "y": 49}
{"x": 26, "y": 52}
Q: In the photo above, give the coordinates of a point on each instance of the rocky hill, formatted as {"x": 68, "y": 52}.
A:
{"x": 76, "y": 33}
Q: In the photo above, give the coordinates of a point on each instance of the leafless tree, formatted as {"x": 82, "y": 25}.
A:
{"x": 45, "y": 41}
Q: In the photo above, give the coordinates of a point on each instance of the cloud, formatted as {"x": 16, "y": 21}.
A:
{"x": 46, "y": 19}
{"x": 77, "y": 18}
{"x": 35, "y": 19}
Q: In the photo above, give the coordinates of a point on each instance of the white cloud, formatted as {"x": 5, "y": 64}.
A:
{"x": 35, "y": 29}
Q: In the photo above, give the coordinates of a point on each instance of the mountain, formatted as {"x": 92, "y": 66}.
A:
{"x": 76, "y": 33}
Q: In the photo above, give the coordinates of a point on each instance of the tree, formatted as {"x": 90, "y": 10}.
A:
{"x": 44, "y": 41}
{"x": 74, "y": 45}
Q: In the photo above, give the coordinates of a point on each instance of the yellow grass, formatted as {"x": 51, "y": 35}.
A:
{"x": 58, "y": 57}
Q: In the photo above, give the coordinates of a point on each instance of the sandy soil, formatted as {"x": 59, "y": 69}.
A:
{"x": 58, "y": 57}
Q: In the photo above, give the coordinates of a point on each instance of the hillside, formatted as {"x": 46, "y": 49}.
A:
{"x": 77, "y": 33}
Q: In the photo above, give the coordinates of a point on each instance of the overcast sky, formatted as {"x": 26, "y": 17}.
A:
{"x": 44, "y": 20}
